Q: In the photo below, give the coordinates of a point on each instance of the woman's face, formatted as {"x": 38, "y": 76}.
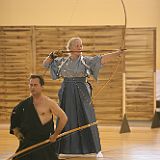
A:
{"x": 77, "y": 47}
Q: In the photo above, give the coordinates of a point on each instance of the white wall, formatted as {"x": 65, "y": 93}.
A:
{"x": 140, "y": 13}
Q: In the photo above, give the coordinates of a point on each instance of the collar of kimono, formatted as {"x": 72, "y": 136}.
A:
{"x": 122, "y": 48}
{"x": 28, "y": 150}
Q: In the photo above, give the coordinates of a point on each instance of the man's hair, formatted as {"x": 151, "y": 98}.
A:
{"x": 41, "y": 80}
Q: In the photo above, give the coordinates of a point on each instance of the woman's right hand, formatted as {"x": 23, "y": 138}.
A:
{"x": 53, "y": 55}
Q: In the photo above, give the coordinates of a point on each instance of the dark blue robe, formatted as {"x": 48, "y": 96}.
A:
{"x": 75, "y": 100}
{"x": 25, "y": 117}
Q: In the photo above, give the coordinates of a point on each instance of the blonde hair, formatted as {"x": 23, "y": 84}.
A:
{"x": 71, "y": 42}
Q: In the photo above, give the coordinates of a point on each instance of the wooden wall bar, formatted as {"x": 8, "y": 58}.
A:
{"x": 140, "y": 67}
{"x": 15, "y": 66}
{"x": 23, "y": 49}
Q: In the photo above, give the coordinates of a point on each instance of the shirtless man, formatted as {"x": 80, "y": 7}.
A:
{"x": 32, "y": 121}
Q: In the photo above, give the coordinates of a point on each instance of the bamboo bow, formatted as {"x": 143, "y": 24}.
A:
{"x": 48, "y": 140}
{"x": 122, "y": 48}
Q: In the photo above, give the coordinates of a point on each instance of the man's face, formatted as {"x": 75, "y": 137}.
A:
{"x": 35, "y": 86}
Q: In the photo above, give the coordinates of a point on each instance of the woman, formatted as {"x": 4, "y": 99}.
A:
{"x": 75, "y": 96}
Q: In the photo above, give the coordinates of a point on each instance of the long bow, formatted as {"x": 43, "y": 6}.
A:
{"x": 48, "y": 141}
{"x": 122, "y": 48}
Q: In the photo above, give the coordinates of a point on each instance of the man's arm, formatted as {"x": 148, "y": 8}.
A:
{"x": 57, "y": 111}
{"x": 16, "y": 121}
{"x": 18, "y": 134}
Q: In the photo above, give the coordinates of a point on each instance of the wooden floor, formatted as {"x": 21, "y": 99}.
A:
{"x": 142, "y": 143}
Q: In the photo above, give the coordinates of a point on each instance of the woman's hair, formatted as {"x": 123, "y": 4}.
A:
{"x": 71, "y": 42}
{"x": 41, "y": 80}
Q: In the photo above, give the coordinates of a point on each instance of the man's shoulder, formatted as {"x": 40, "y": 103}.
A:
{"x": 26, "y": 100}
{"x": 24, "y": 103}
{"x": 49, "y": 100}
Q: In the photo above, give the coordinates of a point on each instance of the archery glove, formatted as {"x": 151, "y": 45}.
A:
{"x": 56, "y": 54}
